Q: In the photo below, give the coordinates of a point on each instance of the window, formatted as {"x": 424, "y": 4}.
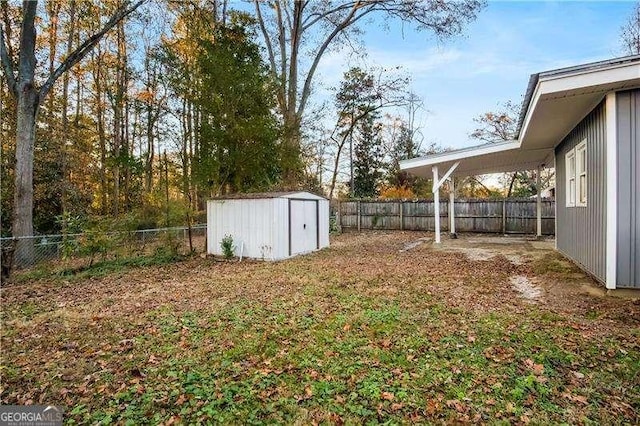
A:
{"x": 576, "y": 179}
{"x": 581, "y": 173}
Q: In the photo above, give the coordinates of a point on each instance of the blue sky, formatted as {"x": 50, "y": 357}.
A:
{"x": 460, "y": 78}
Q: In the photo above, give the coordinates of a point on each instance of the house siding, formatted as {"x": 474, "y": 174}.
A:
{"x": 628, "y": 179}
{"x": 581, "y": 231}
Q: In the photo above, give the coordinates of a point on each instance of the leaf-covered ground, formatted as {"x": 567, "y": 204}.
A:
{"x": 374, "y": 329}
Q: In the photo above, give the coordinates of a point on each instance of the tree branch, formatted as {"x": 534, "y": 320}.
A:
{"x": 82, "y": 50}
{"x": 350, "y": 19}
{"x": 272, "y": 58}
{"x": 314, "y": 18}
{"x": 282, "y": 77}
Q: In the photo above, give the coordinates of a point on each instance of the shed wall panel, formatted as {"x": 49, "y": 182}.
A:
{"x": 324, "y": 223}
{"x": 628, "y": 171}
{"x": 581, "y": 231}
{"x": 249, "y": 222}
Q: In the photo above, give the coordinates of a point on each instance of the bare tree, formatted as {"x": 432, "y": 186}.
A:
{"x": 29, "y": 96}
{"x": 291, "y": 29}
{"x": 501, "y": 126}
{"x": 630, "y": 32}
{"x": 497, "y": 126}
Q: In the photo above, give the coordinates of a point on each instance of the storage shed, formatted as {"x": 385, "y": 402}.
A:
{"x": 269, "y": 226}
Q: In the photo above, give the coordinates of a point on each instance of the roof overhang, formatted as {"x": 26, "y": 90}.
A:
{"x": 562, "y": 98}
{"x": 484, "y": 159}
{"x": 556, "y": 101}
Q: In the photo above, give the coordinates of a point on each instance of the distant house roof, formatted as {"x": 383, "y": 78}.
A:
{"x": 265, "y": 195}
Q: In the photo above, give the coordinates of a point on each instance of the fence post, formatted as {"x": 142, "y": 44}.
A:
{"x": 504, "y": 216}
{"x": 359, "y": 215}
{"x": 400, "y": 203}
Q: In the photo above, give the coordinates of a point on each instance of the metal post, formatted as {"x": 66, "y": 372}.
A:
{"x": 401, "y": 218}
{"x": 436, "y": 203}
{"x": 452, "y": 214}
{"x": 359, "y": 216}
{"x": 539, "y": 204}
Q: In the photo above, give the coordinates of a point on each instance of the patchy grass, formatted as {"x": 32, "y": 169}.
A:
{"x": 100, "y": 268}
{"x": 359, "y": 333}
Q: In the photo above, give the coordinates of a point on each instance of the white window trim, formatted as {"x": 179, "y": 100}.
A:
{"x": 573, "y": 180}
{"x": 570, "y": 177}
{"x": 582, "y": 146}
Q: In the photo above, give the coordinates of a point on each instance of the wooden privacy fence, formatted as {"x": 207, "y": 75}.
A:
{"x": 506, "y": 216}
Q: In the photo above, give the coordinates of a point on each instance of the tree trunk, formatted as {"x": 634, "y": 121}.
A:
{"x": 513, "y": 180}
{"x": 291, "y": 161}
{"x": 102, "y": 138}
{"x": 27, "y": 101}
{"x": 23, "y": 198}
{"x": 65, "y": 119}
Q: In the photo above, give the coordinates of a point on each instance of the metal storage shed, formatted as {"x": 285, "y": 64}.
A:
{"x": 269, "y": 226}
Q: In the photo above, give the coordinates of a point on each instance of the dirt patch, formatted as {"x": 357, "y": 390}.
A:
{"x": 515, "y": 259}
{"x": 413, "y": 244}
{"x": 475, "y": 254}
{"x": 525, "y": 288}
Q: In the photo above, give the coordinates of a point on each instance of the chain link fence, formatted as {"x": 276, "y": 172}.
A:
{"x": 87, "y": 248}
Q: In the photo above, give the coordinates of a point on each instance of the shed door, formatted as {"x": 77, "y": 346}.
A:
{"x": 303, "y": 226}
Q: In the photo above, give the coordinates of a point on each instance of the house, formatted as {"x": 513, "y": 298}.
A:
{"x": 584, "y": 121}
{"x": 268, "y": 226}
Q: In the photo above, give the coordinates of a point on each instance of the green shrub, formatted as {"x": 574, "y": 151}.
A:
{"x": 227, "y": 246}
{"x": 333, "y": 225}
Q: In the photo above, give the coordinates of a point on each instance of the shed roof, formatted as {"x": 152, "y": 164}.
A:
{"x": 265, "y": 195}
{"x": 556, "y": 101}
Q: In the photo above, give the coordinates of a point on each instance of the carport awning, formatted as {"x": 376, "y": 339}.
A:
{"x": 556, "y": 101}
{"x": 482, "y": 159}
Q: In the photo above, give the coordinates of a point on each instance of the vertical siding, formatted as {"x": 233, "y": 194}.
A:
{"x": 324, "y": 223}
{"x": 249, "y": 222}
{"x": 581, "y": 231}
{"x": 280, "y": 228}
{"x": 628, "y": 162}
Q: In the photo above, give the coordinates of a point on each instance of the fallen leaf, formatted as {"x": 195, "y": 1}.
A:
{"x": 387, "y": 395}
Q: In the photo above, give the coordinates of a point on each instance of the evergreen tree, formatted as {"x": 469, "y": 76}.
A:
{"x": 369, "y": 157}
{"x": 239, "y": 134}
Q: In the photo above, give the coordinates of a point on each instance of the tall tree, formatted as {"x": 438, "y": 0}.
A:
{"x": 368, "y": 157}
{"x": 361, "y": 94}
{"x": 239, "y": 134}
{"x": 403, "y": 146}
{"x": 291, "y": 28}
{"x": 29, "y": 95}
{"x": 630, "y": 32}
{"x": 236, "y": 144}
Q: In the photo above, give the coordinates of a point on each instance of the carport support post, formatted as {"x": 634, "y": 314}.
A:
{"x": 538, "y": 204}
{"x": 437, "y": 183}
{"x": 436, "y": 202}
{"x": 452, "y": 213}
